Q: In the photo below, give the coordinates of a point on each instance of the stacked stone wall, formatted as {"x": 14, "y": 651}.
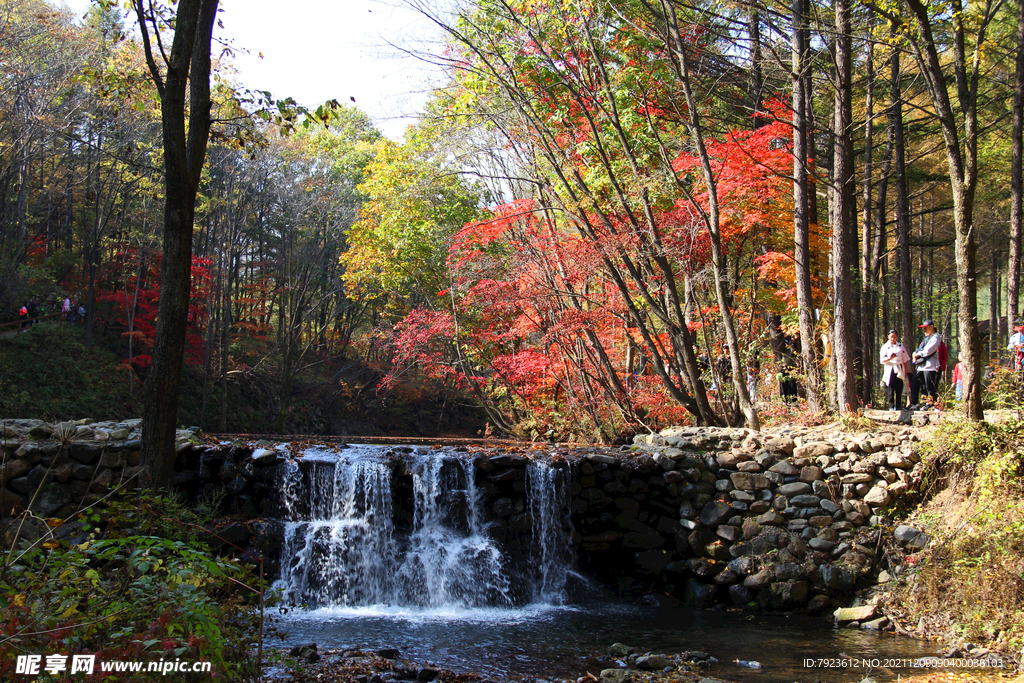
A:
{"x": 794, "y": 519}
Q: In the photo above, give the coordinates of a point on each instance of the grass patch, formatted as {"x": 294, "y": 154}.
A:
{"x": 47, "y": 373}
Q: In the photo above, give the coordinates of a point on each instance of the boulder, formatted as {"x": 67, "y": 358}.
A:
{"x": 781, "y": 445}
{"x": 771, "y": 517}
{"x": 795, "y": 489}
{"x": 788, "y": 592}
{"x": 875, "y": 624}
{"x": 811, "y": 473}
{"x": 878, "y": 497}
{"x": 698, "y": 595}
{"x": 620, "y": 650}
{"x": 759, "y": 580}
{"x": 814, "y": 450}
{"x": 751, "y": 529}
{"x": 616, "y": 676}
{"x": 821, "y": 544}
{"x": 13, "y": 469}
{"x": 654, "y": 662}
{"x": 266, "y": 456}
{"x": 910, "y": 538}
{"x": 740, "y": 594}
{"x": 749, "y": 481}
{"x": 715, "y": 513}
{"x": 861, "y": 614}
{"x": 785, "y": 467}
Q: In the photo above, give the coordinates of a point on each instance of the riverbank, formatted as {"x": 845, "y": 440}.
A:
{"x": 388, "y": 664}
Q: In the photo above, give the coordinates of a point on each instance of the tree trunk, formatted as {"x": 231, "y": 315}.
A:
{"x": 802, "y": 206}
{"x": 902, "y": 201}
{"x": 184, "y": 142}
{"x": 843, "y": 232}
{"x": 712, "y": 223}
{"x": 960, "y": 134}
{"x": 1016, "y": 180}
{"x": 868, "y": 281}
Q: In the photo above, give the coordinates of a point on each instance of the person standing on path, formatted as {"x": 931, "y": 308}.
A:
{"x": 926, "y": 360}
{"x": 894, "y": 359}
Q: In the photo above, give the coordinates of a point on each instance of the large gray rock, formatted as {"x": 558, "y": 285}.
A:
{"x": 781, "y": 445}
{"x": 821, "y": 544}
{"x": 51, "y": 498}
{"x": 910, "y": 538}
{"x": 862, "y": 613}
{"x": 749, "y": 481}
{"x": 795, "y": 489}
{"x": 654, "y": 662}
{"x": 759, "y": 580}
{"x": 878, "y": 497}
{"x": 698, "y": 594}
{"x": 785, "y": 467}
{"x": 788, "y": 592}
{"x": 814, "y": 450}
{"x": 715, "y": 513}
{"x": 616, "y": 676}
{"x": 771, "y": 517}
{"x": 811, "y": 473}
{"x": 13, "y": 469}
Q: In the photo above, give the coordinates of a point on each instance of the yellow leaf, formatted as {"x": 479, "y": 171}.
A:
{"x": 51, "y": 544}
{"x": 55, "y": 522}
{"x": 19, "y": 600}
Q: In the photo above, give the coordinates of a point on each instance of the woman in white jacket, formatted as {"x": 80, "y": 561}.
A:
{"x": 894, "y": 359}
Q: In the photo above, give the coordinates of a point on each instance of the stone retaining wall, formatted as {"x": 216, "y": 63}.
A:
{"x": 787, "y": 520}
{"x": 793, "y": 519}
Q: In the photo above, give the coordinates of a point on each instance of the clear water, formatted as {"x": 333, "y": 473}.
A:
{"x": 564, "y": 642}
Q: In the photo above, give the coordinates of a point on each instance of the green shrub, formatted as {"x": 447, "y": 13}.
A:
{"x": 140, "y": 586}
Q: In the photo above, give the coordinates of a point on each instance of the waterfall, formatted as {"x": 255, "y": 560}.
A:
{"x": 552, "y": 541}
{"x": 350, "y": 540}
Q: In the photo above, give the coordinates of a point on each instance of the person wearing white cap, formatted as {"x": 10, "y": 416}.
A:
{"x": 894, "y": 359}
{"x": 926, "y": 360}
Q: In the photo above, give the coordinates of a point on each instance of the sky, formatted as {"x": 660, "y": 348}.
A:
{"x": 316, "y": 50}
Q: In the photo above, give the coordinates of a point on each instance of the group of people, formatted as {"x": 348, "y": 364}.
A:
{"x": 922, "y": 369}
{"x": 32, "y": 311}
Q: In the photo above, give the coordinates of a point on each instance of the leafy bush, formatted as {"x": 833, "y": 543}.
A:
{"x": 135, "y": 585}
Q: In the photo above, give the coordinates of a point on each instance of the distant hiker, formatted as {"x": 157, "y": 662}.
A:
{"x": 23, "y": 316}
{"x": 65, "y": 309}
{"x": 1016, "y": 345}
{"x": 894, "y": 358}
{"x": 81, "y": 312}
{"x": 958, "y": 380}
{"x": 33, "y": 310}
{"x": 926, "y": 360}
{"x": 753, "y": 370}
{"x": 787, "y": 382}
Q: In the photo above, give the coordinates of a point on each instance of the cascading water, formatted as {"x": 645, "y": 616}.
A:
{"x": 349, "y": 541}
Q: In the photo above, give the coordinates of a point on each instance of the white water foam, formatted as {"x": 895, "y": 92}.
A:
{"x": 346, "y": 550}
